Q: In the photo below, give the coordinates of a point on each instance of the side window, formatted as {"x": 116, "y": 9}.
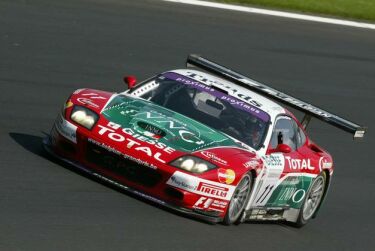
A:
{"x": 286, "y": 131}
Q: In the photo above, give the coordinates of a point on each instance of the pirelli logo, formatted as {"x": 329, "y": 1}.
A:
{"x": 207, "y": 188}
{"x": 212, "y": 190}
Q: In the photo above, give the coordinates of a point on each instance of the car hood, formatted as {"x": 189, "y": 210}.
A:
{"x": 148, "y": 121}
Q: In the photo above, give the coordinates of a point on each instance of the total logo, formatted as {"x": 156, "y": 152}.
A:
{"x": 226, "y": 176}
{"x": 114, "y": 132}
{"x": 299, "y": 164}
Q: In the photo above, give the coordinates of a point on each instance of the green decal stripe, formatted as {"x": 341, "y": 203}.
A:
{"x": 290, "y": 192}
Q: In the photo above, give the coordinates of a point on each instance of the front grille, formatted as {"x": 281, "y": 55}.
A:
{"x": 119, "y": 165}
{"x": 173, "y": 192}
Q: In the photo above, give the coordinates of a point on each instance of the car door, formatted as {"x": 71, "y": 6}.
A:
{"x": 282, "y": 159}
{"x": 295, "y": 177}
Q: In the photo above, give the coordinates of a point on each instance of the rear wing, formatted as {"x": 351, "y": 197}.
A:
{"x": 308, "y": 109}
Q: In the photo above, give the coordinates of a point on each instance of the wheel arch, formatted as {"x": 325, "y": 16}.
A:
{"x": 252, "y": 173}
{"x": 326, "y": 188}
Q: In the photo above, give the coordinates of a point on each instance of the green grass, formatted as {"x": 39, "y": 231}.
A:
{"x": 349, "y": 9}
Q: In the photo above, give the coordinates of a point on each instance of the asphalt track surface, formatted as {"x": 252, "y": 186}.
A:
{"x": 50, "y": 48}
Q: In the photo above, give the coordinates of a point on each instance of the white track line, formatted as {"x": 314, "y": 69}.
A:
{"x": 276, "y": 13}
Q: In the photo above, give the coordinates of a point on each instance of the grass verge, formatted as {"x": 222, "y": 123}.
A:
{"x": 348, "y": 9}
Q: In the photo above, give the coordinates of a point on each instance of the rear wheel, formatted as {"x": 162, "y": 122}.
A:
{"x": 239, "y": 200}
{"x": 312, "y": 200}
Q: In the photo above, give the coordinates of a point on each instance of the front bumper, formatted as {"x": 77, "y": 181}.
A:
{"x": 196, "y": 213}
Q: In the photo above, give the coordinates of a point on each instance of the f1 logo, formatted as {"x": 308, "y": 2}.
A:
{"x": 203, "y": 202}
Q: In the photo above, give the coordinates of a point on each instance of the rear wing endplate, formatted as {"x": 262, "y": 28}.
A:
{"x": 308, "y": 109}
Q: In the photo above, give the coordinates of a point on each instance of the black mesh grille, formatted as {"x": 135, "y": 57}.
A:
{"x": 119, "y": 165}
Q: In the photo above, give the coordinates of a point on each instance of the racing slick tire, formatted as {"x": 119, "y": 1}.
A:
{"x": 312, "y": 200}
{"x": 239, "y": 200}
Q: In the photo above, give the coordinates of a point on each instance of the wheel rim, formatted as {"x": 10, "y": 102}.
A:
{"x": 313, "y": 198}
{"x": 239, "y": 198}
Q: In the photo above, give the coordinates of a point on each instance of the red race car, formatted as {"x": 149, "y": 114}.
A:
{"x": 210, "y": 143}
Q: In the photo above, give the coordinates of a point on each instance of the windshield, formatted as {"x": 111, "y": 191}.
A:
{"x": 208, "y": 105}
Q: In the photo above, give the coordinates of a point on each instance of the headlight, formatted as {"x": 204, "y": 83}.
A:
{"x": 192, "y": 164}
{"x": 84, "y": 116}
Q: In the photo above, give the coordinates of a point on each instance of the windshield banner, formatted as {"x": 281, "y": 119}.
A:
{"x": 235, "y": 102}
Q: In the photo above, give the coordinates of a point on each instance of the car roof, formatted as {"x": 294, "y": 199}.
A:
{"x": 239, "y": 92}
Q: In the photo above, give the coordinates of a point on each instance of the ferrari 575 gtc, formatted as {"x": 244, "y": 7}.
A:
{"x": 203, "y": 140}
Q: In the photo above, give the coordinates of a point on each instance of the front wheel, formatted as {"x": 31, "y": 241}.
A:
{"x": 239, "y": 200}
{"x": 312, "y": 200}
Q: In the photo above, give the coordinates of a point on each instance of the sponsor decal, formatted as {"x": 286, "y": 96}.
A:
{"x": 244, "y": 96}
{"x": 298, "y": 196}
{"x": 190, "y": 137}
{"x": 214, "y": 190}
{"x": 324, "y": 163}
{"x": 299, "y": 164}
{"x": 88, "y": 99}
{"x": 264, "y": 194}
{"x": 287, "y": 98}
{"x": 249, "y": 105}
{"x": 110, "y": 181}
{"x": 93, "y": 95}
{"x": 110, "y": 149}
{"x": 157, "y": 144}
{"x": 214, "y": 158}
{"x": 359, "y": 134}
{"x": 184, "y": 134}
{"x": 291, "y": 181}
{"x": 287, "y": 193}
{"x": 180, "y": 183}
{"x": 226, "y": 176}
{"x": 251, "y": 163}
{"x": 274, "y": 166}
{"x": 68, "y": 104}
{"x": 66, "y": 129}
{"x": 274, "y": 160}
{"x": 151, "y": 130}
{"x": 204, "y": 203}
{"x": 114, "y": 132}
{"x": 200, "y": 186}
{"x": 290, "y": 190}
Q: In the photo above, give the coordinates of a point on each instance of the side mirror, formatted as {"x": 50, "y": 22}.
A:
{"x": 281, "y": 148}
{"x": 130, "y": 81}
